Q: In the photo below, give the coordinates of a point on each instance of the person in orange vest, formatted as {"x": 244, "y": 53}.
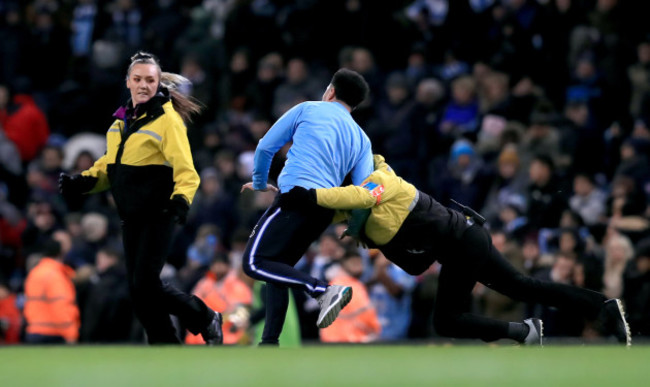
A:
{"x": 10, "y": 318}
{"x": 222, "y": 290}
{"x": 51, "y": 311}
{"x": 358, "y": 322}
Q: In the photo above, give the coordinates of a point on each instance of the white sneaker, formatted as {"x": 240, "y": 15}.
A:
{"x": 536, "y": 332}
{"x": 335, "y": 298}
{"x": 612, "y": 320}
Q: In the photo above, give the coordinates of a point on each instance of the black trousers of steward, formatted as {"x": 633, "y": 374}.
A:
{"x": 147, "y": 241}
{"x": 473, "y": 258}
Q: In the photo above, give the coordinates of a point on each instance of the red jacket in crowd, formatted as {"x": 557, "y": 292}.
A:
{"x": 27, "y": 126}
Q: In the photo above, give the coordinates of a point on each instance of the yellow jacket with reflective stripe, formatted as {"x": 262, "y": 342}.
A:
{"x": 148, "y": 163}
{"x": 396, "y": 196}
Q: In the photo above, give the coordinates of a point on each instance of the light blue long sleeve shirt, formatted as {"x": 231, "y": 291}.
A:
{"x": 327, "y": 145}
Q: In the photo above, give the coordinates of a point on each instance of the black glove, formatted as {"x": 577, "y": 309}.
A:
{"x": 298, "y": 199}
{"x": 177, "y": 209}
{"x": 76, "y": 184}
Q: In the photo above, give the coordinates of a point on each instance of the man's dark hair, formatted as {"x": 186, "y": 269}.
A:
{"x": 350, "y": 87}
{"x": 51, "y": 248}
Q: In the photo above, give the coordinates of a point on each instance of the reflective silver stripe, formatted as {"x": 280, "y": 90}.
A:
{"x": 114, "y": 130}
{"x": 415, "y": 200}
{"x": 152, "y": 134}
{"x": 52, "y": 324}
{"x": 45, "y": 299}
{"x": 167, "y": 164}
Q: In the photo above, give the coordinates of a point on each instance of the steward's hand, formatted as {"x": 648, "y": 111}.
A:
{"x": 298, "y": 199}
{"x": 76, "y": 184}
{"x": 177, "y": 209}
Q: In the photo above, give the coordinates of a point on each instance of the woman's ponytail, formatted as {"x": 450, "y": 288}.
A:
{"x": 184, "y": 105}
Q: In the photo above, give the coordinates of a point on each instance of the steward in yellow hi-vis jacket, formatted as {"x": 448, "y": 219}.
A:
{"x": 413, "y": 230}
{"x": 149, "y": 169}
{"x": 406, "y": 224}
{"x": 148, "y": 161}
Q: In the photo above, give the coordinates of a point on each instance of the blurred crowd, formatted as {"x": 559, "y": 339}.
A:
{"x": 534, "y": 112}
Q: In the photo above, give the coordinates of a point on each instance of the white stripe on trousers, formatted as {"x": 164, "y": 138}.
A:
{"x": 265, "y": 274}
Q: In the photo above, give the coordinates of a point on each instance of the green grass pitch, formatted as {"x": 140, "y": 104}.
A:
{"x": 464, "y": 365}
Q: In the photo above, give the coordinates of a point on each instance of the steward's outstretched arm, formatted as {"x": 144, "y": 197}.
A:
{"x": 348, "y": 197}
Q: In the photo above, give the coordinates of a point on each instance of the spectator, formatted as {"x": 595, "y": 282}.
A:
{"x": 126, "y": 23}
{"x": 202, "y": 86}
{"x": 48, "y": 42}
{"x": 41, "y": 223}
{"x": 581, "y": 140}
{"x": 200, "y": 254}
{"x": 461, "y": 114}
{"x": 24, "y": 123}
{"x": 545, "y": 195}
{"x": 213, "y": 205}
{"x": 300, "y": 85}
{"x": 51, "y": 312}
{"x": 391, "y": 132}
{"x": 107, "y": 314}
{"x": 494, "y": 94}
{"x": 261, "y": 91}
{"x": 639, "y": 76}
{"x": 358, "y": 322}
{"x": 326, "y": 264}
{"x": 227, "y": 168}
{"x": 635, "y": 153}
{"x": 588, "y": 201}
{"x": 94, "y": 236}
{"x": 11, "y": 169}
{"x": 12, "y": 225}
{"x": 10, "y": 318}
{"x": 541, "y": 137}
{"x": 507, "y": 186}
{"x": 465, "y": 178}
{"x": 223, "y": 291}
{"x": 637, "y": 290}
{"x": 83, "y": 25}
{"x": 390, "y": 292}
{"x": 425, "y": 118}
{"x": 618, "y": 252}
{"x": 513, "y": 220}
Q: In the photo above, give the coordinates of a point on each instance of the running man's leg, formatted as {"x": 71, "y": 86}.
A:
{"x": 277, "y": 242}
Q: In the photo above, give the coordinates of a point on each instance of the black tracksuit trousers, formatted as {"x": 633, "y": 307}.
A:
{"x": 147, "y": 241}
{"x": 276, "y": 244}
{"x": 472, "y": 258}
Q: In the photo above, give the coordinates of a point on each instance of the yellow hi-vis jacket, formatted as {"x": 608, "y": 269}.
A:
{"x": 148, "y": 161}
{"x": 396, "y": 196}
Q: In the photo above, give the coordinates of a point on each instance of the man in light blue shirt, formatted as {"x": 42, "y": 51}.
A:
{"x": 327, "y": 146}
